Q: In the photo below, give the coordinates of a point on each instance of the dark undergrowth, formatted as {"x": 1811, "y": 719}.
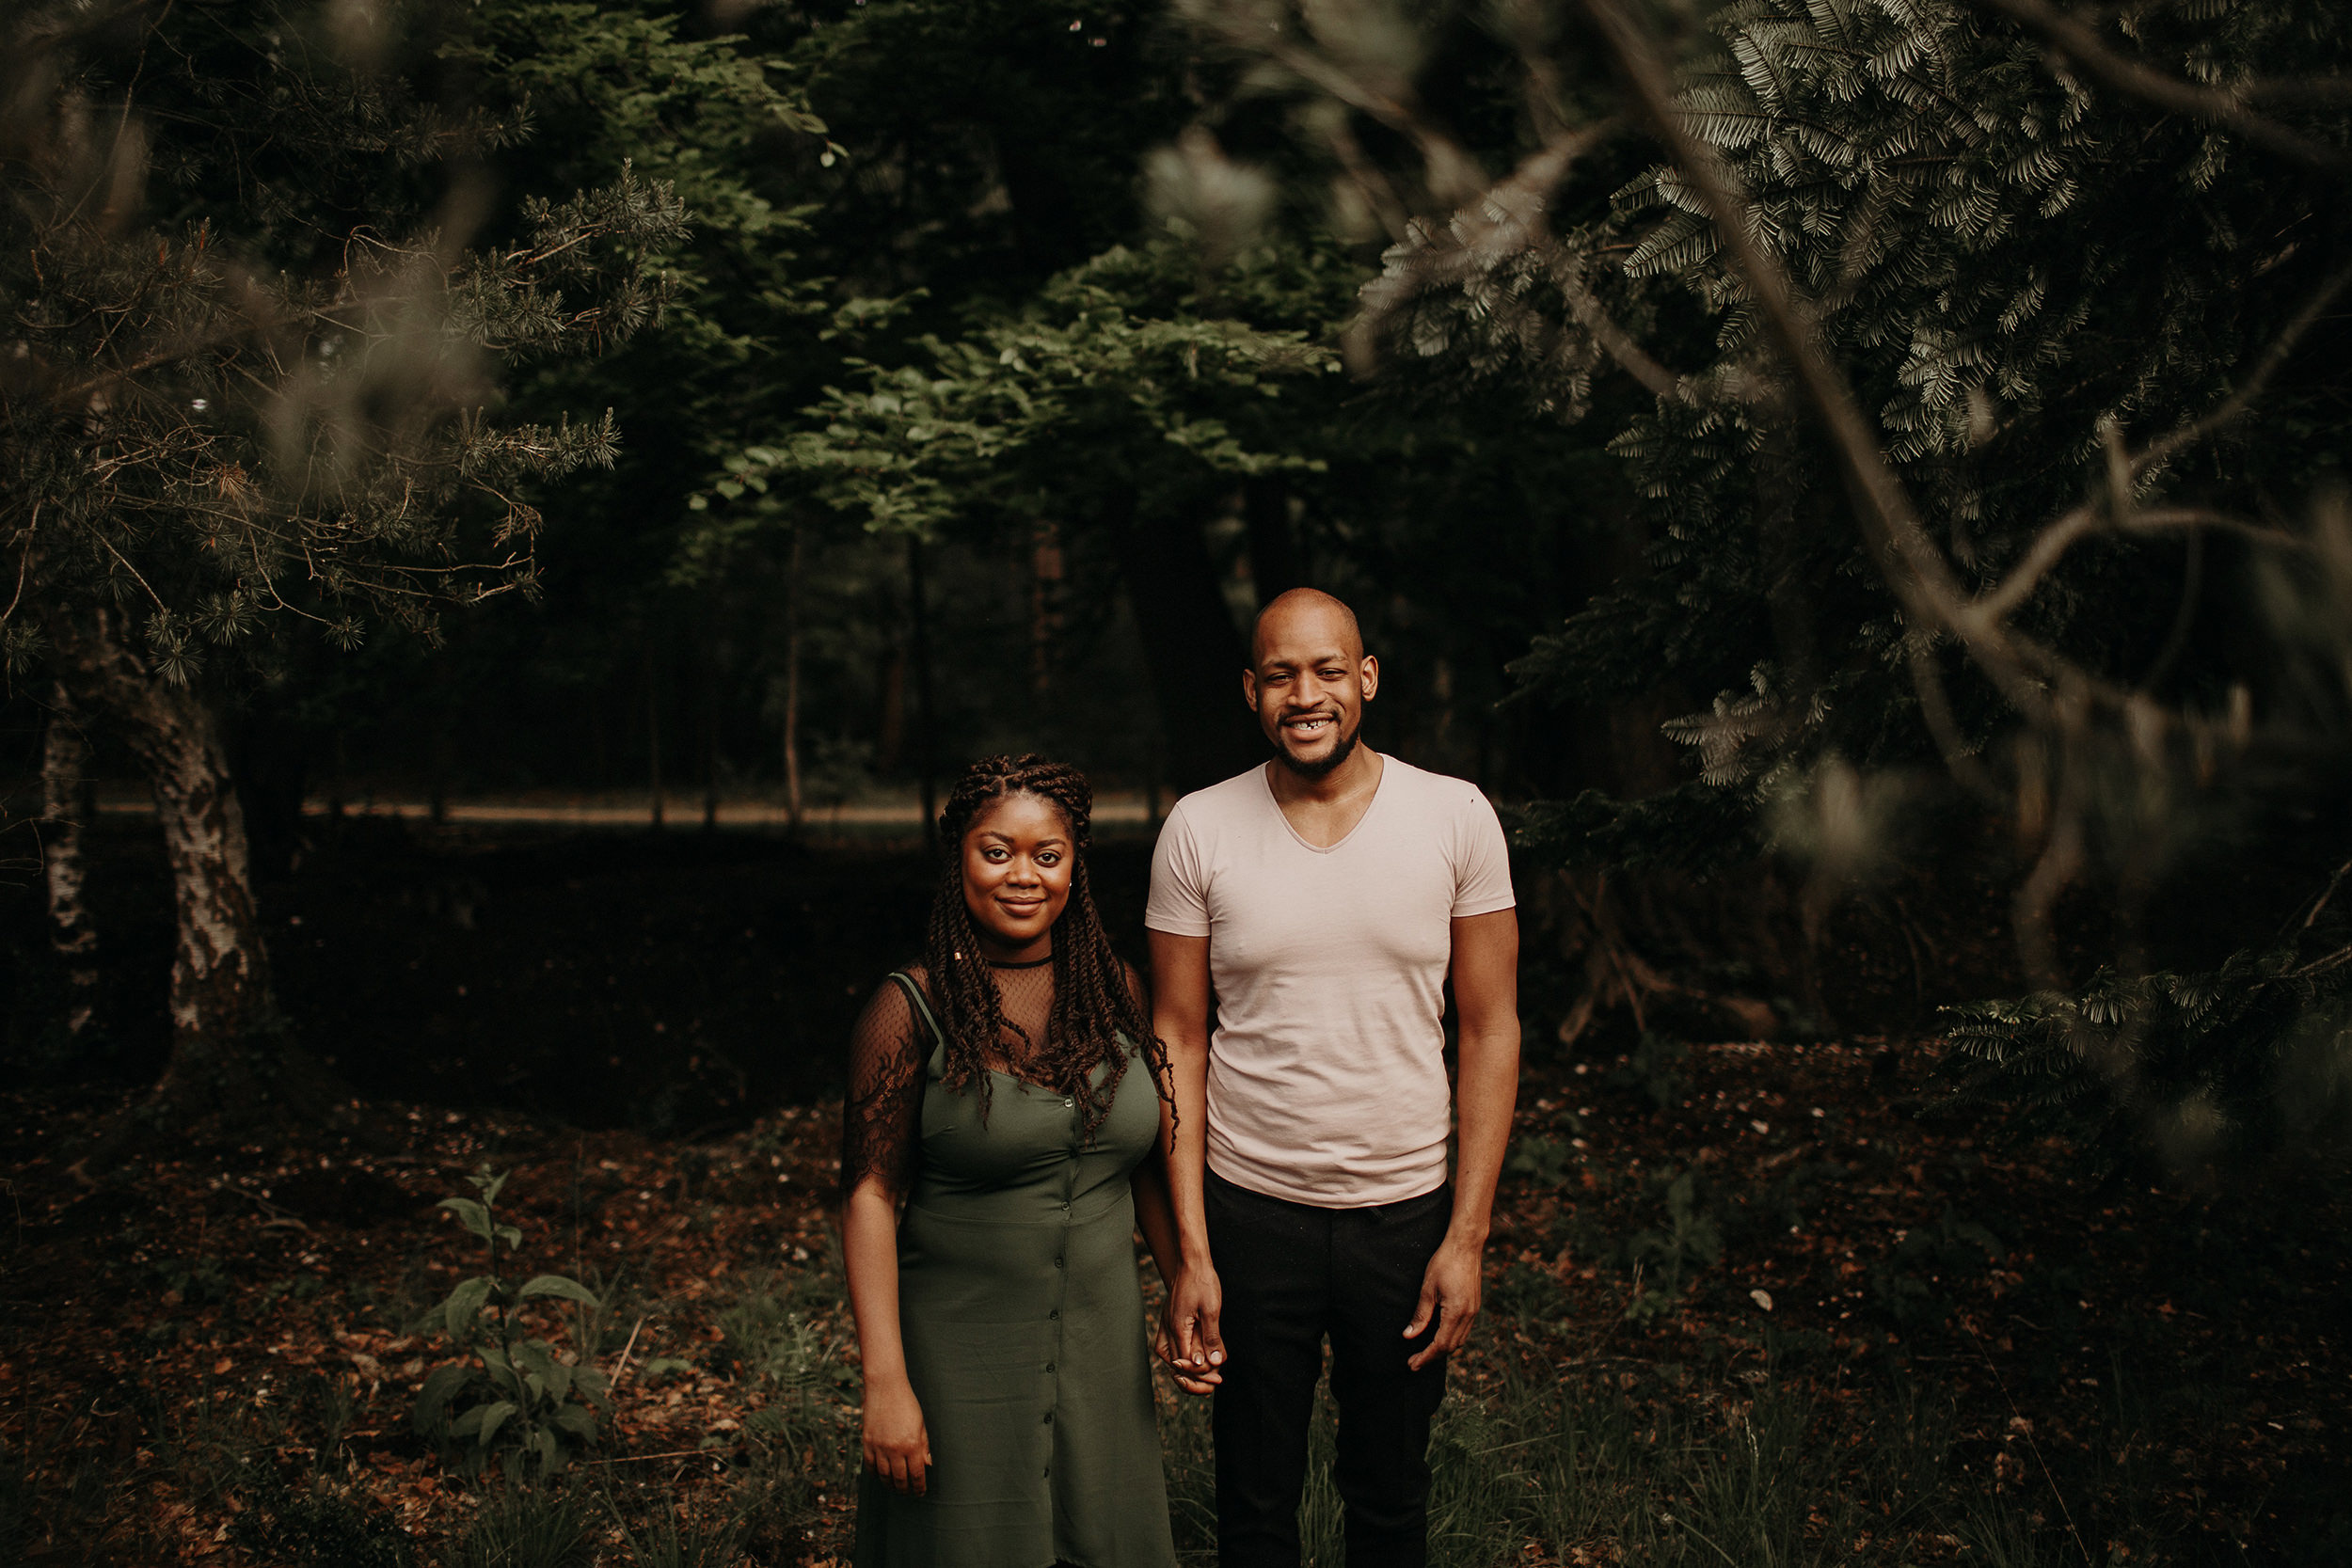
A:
{"x": 1748, "y": 1303}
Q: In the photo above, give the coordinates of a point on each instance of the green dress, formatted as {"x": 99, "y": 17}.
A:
{"x": 1025, "y": 1341}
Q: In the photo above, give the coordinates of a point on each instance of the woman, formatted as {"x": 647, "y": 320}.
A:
{"x": 1009, "y": 1090}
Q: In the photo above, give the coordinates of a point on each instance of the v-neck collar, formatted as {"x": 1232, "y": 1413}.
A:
{"x": 1274, "y": 802}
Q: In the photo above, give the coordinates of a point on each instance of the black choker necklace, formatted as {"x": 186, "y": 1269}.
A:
{"x": 1033, "y": 963}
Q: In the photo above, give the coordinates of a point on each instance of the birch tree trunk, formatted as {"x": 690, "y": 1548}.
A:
{"x": 72, "y": 933}
{"x": 220, "y": 1000}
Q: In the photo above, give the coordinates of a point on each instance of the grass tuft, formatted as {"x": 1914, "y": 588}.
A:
{"x": 525, "y": 1527}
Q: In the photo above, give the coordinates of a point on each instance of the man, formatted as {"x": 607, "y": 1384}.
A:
{"x": 1323, "y": 900}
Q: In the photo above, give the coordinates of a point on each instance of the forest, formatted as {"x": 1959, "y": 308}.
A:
{"x": 514, "y": 513}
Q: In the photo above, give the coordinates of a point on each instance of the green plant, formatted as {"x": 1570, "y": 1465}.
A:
{"x": 16, "y": 1506}
{"x": 710, "y": 1539}
{"x": 1663, "y": 1258}
{"x": 515, "y": 1394}
{"x": 1546, "y": 1160}
{"x": 782, "y": 1345}
{"x": 1909, "y": 1283}
{"x": 525, "y": 1527}
{"x": 1652, "y": 1069}
{"x": 316, "y": 1525}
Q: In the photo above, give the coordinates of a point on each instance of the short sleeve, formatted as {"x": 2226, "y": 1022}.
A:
{"x": 1481, "y": 865}
{"x": 1178, "y": 903}
{"x": 882, "y": 1112}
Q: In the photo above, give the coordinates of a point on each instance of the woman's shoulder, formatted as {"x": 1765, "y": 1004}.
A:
{"x": 888, "y": 1000}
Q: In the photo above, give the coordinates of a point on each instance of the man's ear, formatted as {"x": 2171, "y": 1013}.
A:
{"x": 1249, "y": 688}
{"x": 1368, "y": 673}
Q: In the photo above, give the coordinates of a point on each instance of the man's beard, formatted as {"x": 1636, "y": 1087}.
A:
{"x": 1322, "y": 766}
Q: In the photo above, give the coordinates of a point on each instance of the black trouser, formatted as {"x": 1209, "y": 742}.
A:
{"x": 1293, "y": 1273}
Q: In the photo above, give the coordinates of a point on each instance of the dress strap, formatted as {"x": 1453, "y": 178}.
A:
{"x": 923, "y": 1009}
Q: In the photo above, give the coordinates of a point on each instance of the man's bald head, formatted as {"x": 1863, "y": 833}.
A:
{"x": 1306, "y": 615}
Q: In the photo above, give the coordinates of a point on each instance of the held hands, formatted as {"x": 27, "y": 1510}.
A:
{"x": 897, "y": 1448}
{"x": 1449, "y": 1293}
{"x": 1188, "y": 1338}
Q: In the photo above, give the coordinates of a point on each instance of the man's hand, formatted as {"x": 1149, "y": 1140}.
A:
{"x": 898, "y": 1446}
{"x": 1449, "y": 1294}
{"x": 1188, "y": 1341}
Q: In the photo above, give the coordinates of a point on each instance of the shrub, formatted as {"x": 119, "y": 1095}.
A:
{"x": 515, "y": 1395}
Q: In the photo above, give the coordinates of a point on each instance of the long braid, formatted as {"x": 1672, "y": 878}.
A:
{"x": 1092, "y": 1004}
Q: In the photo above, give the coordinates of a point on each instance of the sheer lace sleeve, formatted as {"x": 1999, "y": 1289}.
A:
{"x": 882, "y": 1114}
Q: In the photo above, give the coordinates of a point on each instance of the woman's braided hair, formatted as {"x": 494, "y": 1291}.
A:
{"x": 1093, "y": 1004}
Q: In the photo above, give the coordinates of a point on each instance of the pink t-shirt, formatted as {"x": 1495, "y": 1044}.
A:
{"x": 1326, "y": 1074}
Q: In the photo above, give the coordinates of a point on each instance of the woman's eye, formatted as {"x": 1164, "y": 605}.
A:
{"x": 994, "y": 857}
{"x": 1049, "y": 858}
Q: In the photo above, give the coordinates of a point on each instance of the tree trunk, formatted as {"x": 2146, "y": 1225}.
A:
{"x": 222, "y": 1013}
{"x": 1048, "y": 568}
{"x": 64, "y": 800}
{"x": 1196, "y": 655}
{"x": 653, "y": 734}
{"x": 792, "y": 805}
{"x": 1275, "y": 566}
{"x": 926, "y": 714}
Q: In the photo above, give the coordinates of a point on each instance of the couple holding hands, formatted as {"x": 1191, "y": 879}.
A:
{"x": 1019, "y": 1109}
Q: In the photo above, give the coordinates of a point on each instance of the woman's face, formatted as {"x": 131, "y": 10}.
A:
{"x": 1017, "y": 862}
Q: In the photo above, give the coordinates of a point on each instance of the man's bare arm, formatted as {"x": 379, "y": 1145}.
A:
{"x": 1485, "y": 975}
{"x": 1189, "y": 1340}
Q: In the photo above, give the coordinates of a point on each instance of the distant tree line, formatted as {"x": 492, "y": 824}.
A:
{"x": 1824, "y": 430}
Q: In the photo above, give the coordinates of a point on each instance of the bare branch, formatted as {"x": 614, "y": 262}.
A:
{"x": 2237, "y": 402}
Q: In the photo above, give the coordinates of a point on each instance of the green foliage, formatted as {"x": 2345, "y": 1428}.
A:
{"x": 2221, "y": 1070}
{"x": 1662, "y": 1258}
{"x": 1548, "y": 1161}
{"x": 316, "y": 1525}
{"x": 707, "y": 1538}
{"x": 526, "y": 1527}
{"x": 1908, "y": 1284}
{"x": 17, "y": 1507}
{"x": 1109, "y": 366}
{"x": 1653, "y": 1069}
{"x": 255, "y": 384}
{"x": 783, "y": 1333}
{"x": 517, "y": 1397}
{"x": 2013, "y": 267}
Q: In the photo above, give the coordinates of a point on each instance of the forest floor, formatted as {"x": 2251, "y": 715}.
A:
{"x": 1743, "y": 1305}
{"x": 1755, "y": 1304}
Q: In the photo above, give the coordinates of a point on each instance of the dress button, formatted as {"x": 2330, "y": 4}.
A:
{"x": 1049, "y": 1417}
{"x": 1058, "y": 1262}
{"x": 1054, "y": 1313}
{"x": 1049, "y": 1366}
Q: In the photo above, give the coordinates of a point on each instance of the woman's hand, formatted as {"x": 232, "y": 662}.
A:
{"x": 897, "y": 1448}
